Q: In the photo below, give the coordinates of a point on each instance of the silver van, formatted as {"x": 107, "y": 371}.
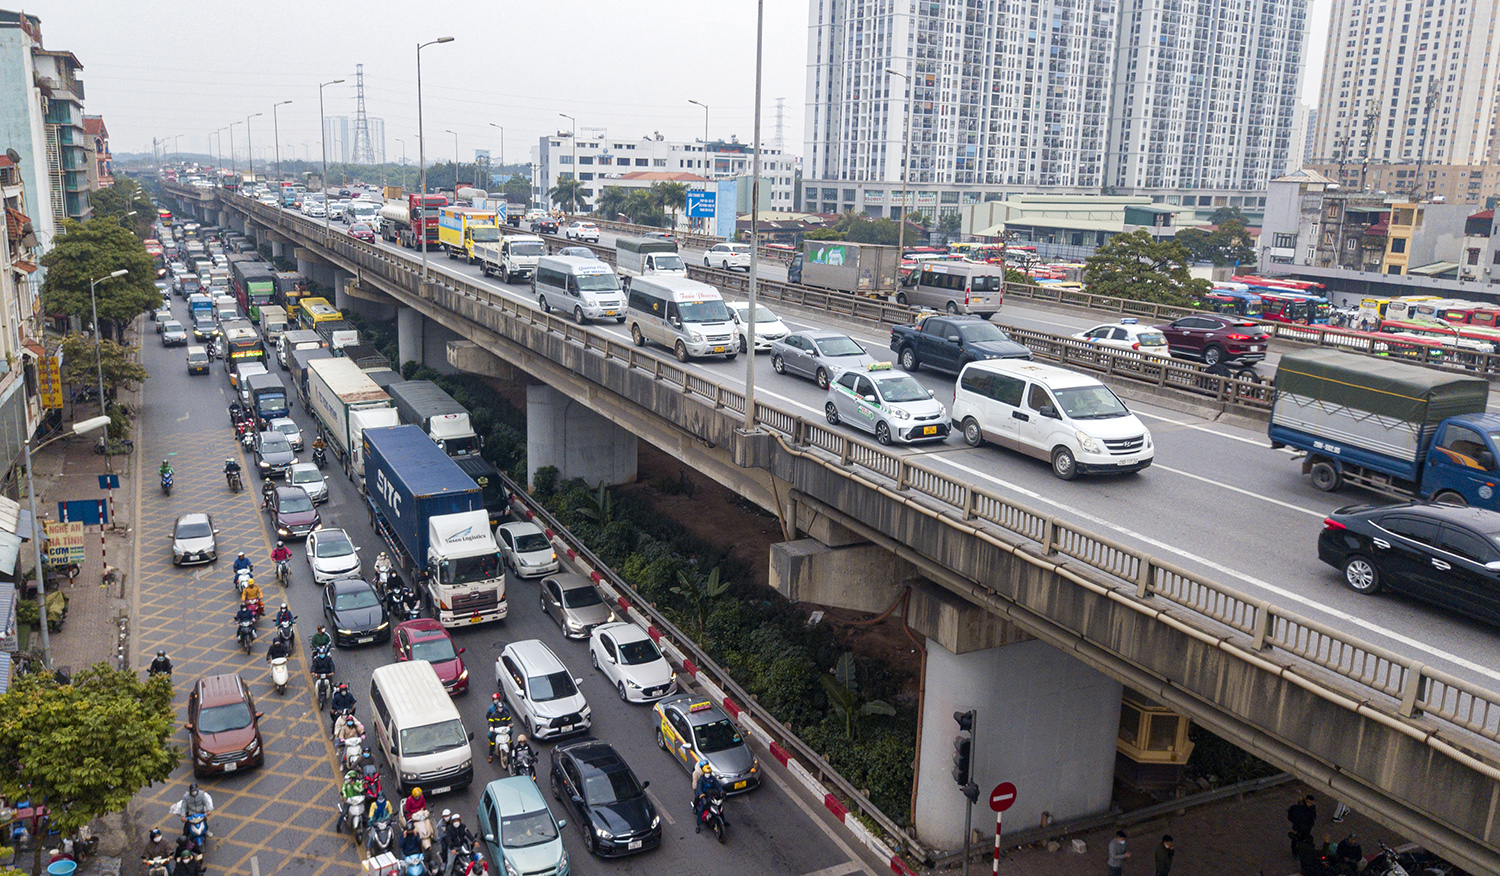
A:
{"x": 586, "y": 288}
{"x": 957, "y": 287}
{"x": 683, "y": 315}
{"x": 418, "y": 729}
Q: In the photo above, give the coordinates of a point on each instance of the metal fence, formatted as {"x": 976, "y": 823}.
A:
{"x": 1397, "y": 683}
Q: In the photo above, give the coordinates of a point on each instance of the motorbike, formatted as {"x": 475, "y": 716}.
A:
{"x": 458, "y": 857}
{"x": 381, "y": 836}
{"x": 195, "y": 828}
{"x": 246, "y": 634}
{"x": 279, "y": 674}
{"x": 371, "y": 778}
{"x": 287, "y": 630}
{"x": 157, "y": 866}
{"x": 353, "y": 814}
{"x": 421, "y": 821}
{"x": 247, "y": 439}
{"x": 713, "y": 814}
{"x": 189, "y": 860}
{"x": 522, "y": 762}
{"x": 353, "y": 753}
{"x": 415, "y": 865}
{"x": 319, "y": 457}
{"x": 258, "y": 607}
{"x": 166, "y": 482}
{"x": 236, "y": 413}
{"x": 242, "y": 579}
{"x": 235, "y": 479}
{"x": 500, "y": 739}
{"x": 284, "y": 572}
{"x": 324, "y": 686}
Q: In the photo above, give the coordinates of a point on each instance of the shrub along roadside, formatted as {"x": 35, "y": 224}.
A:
{"x": 763, "y": 641}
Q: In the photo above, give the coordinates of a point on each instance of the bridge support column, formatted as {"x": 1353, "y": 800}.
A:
{"x": 341, "y": 281}
{"x": 581, "y": 444}
{"x": 1046, "y": 722}
{"x": 408, "y": 336}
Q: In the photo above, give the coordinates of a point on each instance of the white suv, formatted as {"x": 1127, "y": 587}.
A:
{"x": 543, "y": 694}
{"x": 582, "y": 231}
{"x": 727, "y": 256}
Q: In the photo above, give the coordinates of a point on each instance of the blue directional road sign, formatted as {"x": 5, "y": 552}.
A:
{"x": 700, "y": 204}
{"x": 89, "y": 512}
{"x": 109, "y": 482}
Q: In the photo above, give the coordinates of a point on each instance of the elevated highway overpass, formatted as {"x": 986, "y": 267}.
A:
{"x": 1377, "y": 724}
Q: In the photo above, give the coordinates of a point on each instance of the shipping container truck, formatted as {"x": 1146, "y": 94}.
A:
{"x": 335, "y": 389}
{"x": 253, "y": 282}
{"x": 296, "y": 367}
{"x": 294, "y": 339}
{"x": 460, "y": 228}
{"x": 1392, "y": 427}
{"x": 290, "y": 288}
{"x": 423, "y": 403}
{"x": 359, "y": 421}
{"x": 857, "y": 268}
{"x": 496, "y": 499}
{"x": 273, "y": 321}
{"x": 432, "y": 516}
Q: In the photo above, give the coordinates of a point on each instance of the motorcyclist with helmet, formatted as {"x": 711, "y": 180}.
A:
{"x": 705, "y": 783}
{"x": 162, "y": 665}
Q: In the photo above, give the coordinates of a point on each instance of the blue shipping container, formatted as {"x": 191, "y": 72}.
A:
{"x": 410, "y": 480}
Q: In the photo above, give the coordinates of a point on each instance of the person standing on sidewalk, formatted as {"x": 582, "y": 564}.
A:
{"x": 1115, "y": 865}
{"x": 1303, "y": 816}
{"x": 1164, "y": 853}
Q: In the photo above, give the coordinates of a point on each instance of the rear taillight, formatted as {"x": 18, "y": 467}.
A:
{"x": 1330, "y": 523}
{"x": 1237, "y": 337}
{"x": 1135, "y": 346}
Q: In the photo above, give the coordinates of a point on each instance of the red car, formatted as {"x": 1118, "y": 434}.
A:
{"x": 361, "y": 231}
{"x": 426, "y": 639}
{"x": 1216, "y": 338}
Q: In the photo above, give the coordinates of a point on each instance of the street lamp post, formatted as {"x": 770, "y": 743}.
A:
{"x": 403, "y": 163}
{"x": 233, "y": 168}
{"x": 502, "y": 144}
{"x": 911, "y": 95}
{"x": 323, "y": 142}
{"x": 175, "y": 150}
{"x": 455, "y": 162}
{"x": 249, "y": 146}
{"x": 760, "y": 18}
{"x": 94, "y": 306}
{"x": 90, "y": 425}
{"x": 573, "y": 135}
{"x": 705, "y": 147}
{"x": 422, "y": 153}
{"x": 276, "y": 129}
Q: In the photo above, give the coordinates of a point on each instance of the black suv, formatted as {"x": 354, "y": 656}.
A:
{"x": 544, "y": 226}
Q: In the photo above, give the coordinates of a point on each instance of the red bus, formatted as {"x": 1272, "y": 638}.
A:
{"x": 1279, "y": 282}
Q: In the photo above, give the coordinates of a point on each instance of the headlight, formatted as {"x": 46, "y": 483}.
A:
{"x": 586, "y": 712}
{"x": 574, "y": 625}
{"x": 262, "y": 463}
{"x": 1148, "y": 441}
{"x": 1088, "y": 443}
{"x": 562, "y": 864}
{"x": 510, "y": 870}
{"x": 632, "y": 685}
{"x": 603, "y": 834}
{"x": 656, "y": 822}
{"x": 344, "y": 632}
{"x": 697, "y": 338}
{"x": 382, "y": 626}
{"x": 900, "y": 414}
{"x": 254, "y": 747}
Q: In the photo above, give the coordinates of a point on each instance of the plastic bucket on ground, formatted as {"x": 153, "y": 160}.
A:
{"x": 61, "y": 868}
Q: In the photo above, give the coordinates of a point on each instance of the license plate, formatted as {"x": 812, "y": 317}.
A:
{"x": 739, "y": 785}
{"x": 1124, "y": 463}
{"x": 718, "y": 349}
{"x": 609, "y": 313}
{"x": 365, "y": 639}
{"x": 231, "y": 767}
{"x": 475, "y": 619}
{"x": 1255, "y": 349}
{"x": 929, "y": 430}
{"x": 565, "y": 728}
{"x": 633, "y": 844}
{"x": 442, "y": 790}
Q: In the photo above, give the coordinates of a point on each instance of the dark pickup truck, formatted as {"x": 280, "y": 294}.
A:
{"x": 948, "y": 343}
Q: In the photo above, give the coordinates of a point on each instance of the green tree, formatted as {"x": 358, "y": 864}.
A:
{"x": 93, "y": 250}
{"x": 950, "y": 223}
{"x": 1198, "y": 244}
{"x": 1232, "y": 243}
{"x": 641, "y": 209}
{"x": 670, "y": 197}
{"x": 1140, "y": 267}
{"x": 517, "y": 189}
{"x": 79, "y": 369}
{"x": 611, "y": 203}
{"x": 598, "y": 507}
{"x": 124, "y": 197}
{"x": 85, "y": 748}
{"x": 1226, "y": 214}
{"x": 700, "y": 595}
{"x": 842, "y": 688}
{"x": 568, "y": 193}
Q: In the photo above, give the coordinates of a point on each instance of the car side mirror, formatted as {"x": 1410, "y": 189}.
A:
{"x": 955, "y": 339}
{"x": 259, "y": 715}
{"x": 189, "y": 727}
{"x": 471, "y": 735}
{"x": 461, "y": 650}
{"x": 869, "y": 398}
{"x": 646, "y": 784}
{"x": 489, "y": 838}
{"x": 216, "y": 532}
{"x": 1049, "y": 411}
{"x": 578, "y": 681}
{"x": 576, "y": 799}
{"x": 1486, "y": 459}
{"x": 562, "y": 823}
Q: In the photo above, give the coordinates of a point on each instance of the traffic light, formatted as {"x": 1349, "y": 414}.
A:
{"x": 963, "y": 752}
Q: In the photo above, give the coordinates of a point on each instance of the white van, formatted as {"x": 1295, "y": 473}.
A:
{"x": 684, "y": 315}
{"x": 1069, "y": 419}
{"x": 586, "y": 288}
{"x": 419, "y": 729}
{"x": 957, "y": 287}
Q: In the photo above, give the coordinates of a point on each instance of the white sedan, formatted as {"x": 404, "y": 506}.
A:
{"x": 768, "y": 328}
{"x": 526, "y": 550}
{"x": 728, "y": 255}
{"x": 626, "y": 655}
{"x": 582, "y": 231}
{"x": 1127, "y": 335}
{"x": 331, "y": 555}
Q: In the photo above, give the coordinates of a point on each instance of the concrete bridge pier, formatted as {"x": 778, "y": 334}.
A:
{"x": 341, "y": 297}
{"x": 564, "y": 433}
{"x": 408, "y": 336}
{"x": 313, "y": 268}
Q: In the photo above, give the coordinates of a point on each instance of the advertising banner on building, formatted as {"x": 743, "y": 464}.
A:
{"x": 49, "y": 380}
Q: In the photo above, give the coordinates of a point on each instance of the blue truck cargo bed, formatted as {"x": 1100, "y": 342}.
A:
{"x": 408, "y": 480}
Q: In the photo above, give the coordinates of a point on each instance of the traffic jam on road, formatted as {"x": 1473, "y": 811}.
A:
{"x": 349, "y": 460}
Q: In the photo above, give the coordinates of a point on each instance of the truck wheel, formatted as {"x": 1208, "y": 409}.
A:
{"x": 909, "y": 361}
{"x": 1448, "y": 497}
{"x": 973, "y": 435}
{"x": 1361, "y": 575}
{"x": 1063, "y": 464}
{"x": 832, "y": 413}
{"x": 1325, "y": 476}
{"x": 636, "y": 336}
{"x": 680, "y": 351}
{"x": 484, "y": 269}
{"x": 1213, "y": 355}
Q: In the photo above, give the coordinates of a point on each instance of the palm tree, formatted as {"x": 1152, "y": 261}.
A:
{"x": 611, "y": 202}
{"x": 671, "y": 196}
{"x": 641, "y": 209}
{"x": 568, "y": 193}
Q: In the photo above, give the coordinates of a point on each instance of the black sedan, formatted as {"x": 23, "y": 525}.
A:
{"x": 273, "y": 454}
{"x": 1443, "y": 554}
{"x": 354, "y": 613}
{"x": 613, "y": 812}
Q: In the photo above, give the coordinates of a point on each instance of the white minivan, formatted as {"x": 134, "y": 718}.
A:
{"x": 957, "y": 287}
{"x": 419, "y": 729}
{"x": 584, "y": 287}
{"x": 1069, "y": 419}
{"x": 683, "y": 315}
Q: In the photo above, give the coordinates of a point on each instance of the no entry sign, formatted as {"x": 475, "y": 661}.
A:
{"x": 1003, "y": 797}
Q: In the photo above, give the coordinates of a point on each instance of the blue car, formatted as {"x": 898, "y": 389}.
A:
{"x": 519, "y": 828}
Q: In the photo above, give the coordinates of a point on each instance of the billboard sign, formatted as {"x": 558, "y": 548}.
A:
{"x": 64, "y": 543}
{"x": 49, "y": 380}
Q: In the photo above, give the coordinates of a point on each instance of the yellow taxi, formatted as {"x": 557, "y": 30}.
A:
{"x": 694, "y": 730}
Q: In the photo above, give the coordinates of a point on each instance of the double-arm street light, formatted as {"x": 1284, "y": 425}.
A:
{"x": 705, "y": 148}
{"x": 323, "y": 127}
{"x": 573, "y": 135}
{"x": 90, "y": 425}
{"x": 233, "y": 168}
{"x": 760, "y": 23}
{"x": 422, "y": 156}
{"x": 249, "y": 147}
{"x": 911, "y": 95}
{"x": 276, "y": 130}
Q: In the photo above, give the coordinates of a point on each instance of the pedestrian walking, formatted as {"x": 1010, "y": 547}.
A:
{"x": 1303, "y": 815}
{"x": 1164, "y": 853}
{"x": 1118, "y": 854}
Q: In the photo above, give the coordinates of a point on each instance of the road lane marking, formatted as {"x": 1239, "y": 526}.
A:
{"x": 1253, "y": 495}
{"x": 812, "y": 816}
{"x": 1282, "y": 592}
{"x": 661, "y": 808}
{"x": 843, "y": 869}
{"x": 1252, "y": 441}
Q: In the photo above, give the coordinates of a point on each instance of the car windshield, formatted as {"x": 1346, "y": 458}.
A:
{"x": 761, "y": 314}
{"x": 716, "y": 736}
{"x": 981, "y": 331}
{"x": 581, "y": 597}
{"x": 840, "y": 347}
{"x": 703, "y": 311}
{"x": 527, "y": 542}
{"x": 295, "y": 502}
{"x": 220, "y": 719}
{"x": 668, "y": 262}
{"x": 1090, "y": 403}
{"x": 637, "y": 653}
{"x": 333, "y": 546}
{"x": 469, "y": 570}
{"x": 194, "y": 529}
{"x": 1151, "y": 339}
{"x": 361, "y": 597}
{"x": 528, "y": 248}
{"x": 602, "y": 282}
{"x": 433, "y": 738}
{"x": 309, "y": 476}
{"x": 528, "y": 829}
{"x": 356, "y": 227}
{"x": 901, "y": 389}
{"x": 288, "y": 429}
{"x": 276, "y": 443}
{"x": 610, "y": 786}
{"x": 172, "y": 327}
{"x": 438, "y": 649}
{"x": 485, "y": 235}
{"x": 551, "y": 687}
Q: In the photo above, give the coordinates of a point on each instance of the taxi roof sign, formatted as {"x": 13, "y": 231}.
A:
{"x": 878, "y": 366}
{"x": 698, "y": 707}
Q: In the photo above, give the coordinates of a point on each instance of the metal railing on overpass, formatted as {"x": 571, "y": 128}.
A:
{"x": 1456, "y": 720}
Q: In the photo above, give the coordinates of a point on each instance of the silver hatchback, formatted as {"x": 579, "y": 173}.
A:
{"x": 574, "y": 602}
{"x": 307, "y": 476}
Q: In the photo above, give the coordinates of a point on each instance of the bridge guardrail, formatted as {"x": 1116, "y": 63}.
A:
{"x": 1400, "y": 685}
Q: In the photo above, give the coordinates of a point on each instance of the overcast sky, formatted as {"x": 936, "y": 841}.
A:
{"x": 159, "y": 68}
